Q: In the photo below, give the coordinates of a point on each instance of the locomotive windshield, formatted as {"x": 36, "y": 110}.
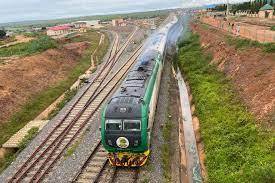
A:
{"x": 113, "y": 124}
{"x": 131, "y": 125}
{"x": 128, "y": 125}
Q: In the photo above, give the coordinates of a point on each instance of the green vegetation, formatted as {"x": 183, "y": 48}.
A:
{"x": 272, "y": 28}
{"x": 2, "y": 33}
{"x": 22, "y": 49}
{"x": 236, "y": 150}
{"x": 42, "y": 100}
{"x": 27, "y": 139}
{"x": 7, "y": 160}
{"x": 101, "y": 51}
{"x": 7, "y": 40}
{"x": 72, "y": 149}
{"x": 253, "y": 6}
{"x": 48, "y": 23}
{"x": 32, "y": 34}
{"x": 166, "y": 150}
{"x": 10, "y": 156}
{"x": 68, "y": 96}
{"x": 241, "y": 43}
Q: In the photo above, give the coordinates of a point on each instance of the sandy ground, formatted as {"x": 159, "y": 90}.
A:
{"x": 22, "y": 78}
{"x": 251, "y": 70}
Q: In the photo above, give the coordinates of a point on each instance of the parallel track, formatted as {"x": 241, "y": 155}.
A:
{"x": 96, "y": 164}
{"x": 39, "y": 163}
{"x": 125, "y": 175}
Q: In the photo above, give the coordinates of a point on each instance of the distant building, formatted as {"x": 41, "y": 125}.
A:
{"x": 58, "y": 30}
{"x": 80, "y": 24}
{"x": 266, "y": 11}
{"x": 82, "y": 30}
{"x": 93, "y": 23}
{"x": 118, "y": 22}
{"x": 9, "y": 33}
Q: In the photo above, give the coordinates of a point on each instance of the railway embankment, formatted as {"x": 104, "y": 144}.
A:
{"x": 249, "y": 65}
{"x": 236, "y": 148}
{"x": 60, "y": 68}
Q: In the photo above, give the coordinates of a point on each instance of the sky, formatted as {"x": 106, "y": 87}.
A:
{"x": 22, "y": 10}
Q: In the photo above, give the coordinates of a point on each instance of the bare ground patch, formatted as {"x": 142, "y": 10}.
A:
{"x": 23, "y": 77}
{"x": 251, "y": 70}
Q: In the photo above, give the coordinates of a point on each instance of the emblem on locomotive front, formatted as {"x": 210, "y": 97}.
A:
{"x": 122, "y": 142}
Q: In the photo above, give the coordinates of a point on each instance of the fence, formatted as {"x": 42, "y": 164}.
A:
{"x": 256, "y": 33}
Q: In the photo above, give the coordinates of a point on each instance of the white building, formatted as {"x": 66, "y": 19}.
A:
{"x": 58, "y": 30}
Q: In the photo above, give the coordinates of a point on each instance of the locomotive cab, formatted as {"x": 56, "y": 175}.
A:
{"x": 124, "y": 132}
{"x": 124, "y": 125}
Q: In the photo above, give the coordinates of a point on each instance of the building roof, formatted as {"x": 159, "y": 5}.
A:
{"x": 266, "y": 7}
{"x": 57, "y": 28}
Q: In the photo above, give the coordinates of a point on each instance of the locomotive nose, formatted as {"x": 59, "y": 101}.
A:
{"x": 122, "y": 142}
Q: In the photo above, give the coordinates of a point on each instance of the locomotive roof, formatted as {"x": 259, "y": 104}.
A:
{"x": 127, "y": 101}
{"x": 131, "y": 92}
{"x": 135, "y": 83}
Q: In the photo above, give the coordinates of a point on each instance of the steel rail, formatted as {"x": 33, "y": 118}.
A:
{"x": 46, "y": 140}
{"x": 38, "y": 178}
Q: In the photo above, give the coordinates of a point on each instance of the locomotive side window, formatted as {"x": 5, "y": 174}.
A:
{"x": 112, "y": 124}
{"x": 131, "y": 125}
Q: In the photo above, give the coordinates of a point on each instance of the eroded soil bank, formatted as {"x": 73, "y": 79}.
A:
{"x": 251, "y": 70}
{"x": 24, "y": 77}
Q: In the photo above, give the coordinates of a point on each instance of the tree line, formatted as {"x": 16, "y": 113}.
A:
{"x": 2, "y": 33}
{"x": 253, "y": 6}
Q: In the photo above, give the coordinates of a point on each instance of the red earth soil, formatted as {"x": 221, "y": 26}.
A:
{"x": 22, "y": 78}
{"x": 252, "y": 71}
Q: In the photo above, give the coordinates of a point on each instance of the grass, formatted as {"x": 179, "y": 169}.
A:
{"x": 236, "y": 150}
{"x": 42, "y": 100}
{"x": 241, "y": 43}
{"x": 272, "y": 28}
{"x": 7, "y": 40}
{"x": 23, "y": 49}
{"x": 72, "y": 149}
{"x": 68, "y": 96}
{"x": 27, "y": 139}
{"x": 166, "y": 150}
{"x": 10, "y": 156}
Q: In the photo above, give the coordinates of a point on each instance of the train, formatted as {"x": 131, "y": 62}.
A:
{"x": 128, "y": 116}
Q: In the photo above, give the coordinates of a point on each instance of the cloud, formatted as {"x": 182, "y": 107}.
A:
{"x": 14, "y": 10}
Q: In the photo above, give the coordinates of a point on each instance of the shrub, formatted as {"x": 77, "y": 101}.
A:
{"x": 22, "y": 49}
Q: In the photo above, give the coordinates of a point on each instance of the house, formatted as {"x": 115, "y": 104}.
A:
{"x": 266, "y": 11}
{"x": 82, "y": 30}
{"x": 93, "y": 23}
{"x": 58, "y": 30}
{"x": 118, "y": 22}
{"x": 80, "y": 24}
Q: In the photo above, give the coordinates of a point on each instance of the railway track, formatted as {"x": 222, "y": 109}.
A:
{"x": 40, "y": 162}
{"x": 97, "y": 169}
{"x": 95, "y": 166}
{"x": 125, "y": 175}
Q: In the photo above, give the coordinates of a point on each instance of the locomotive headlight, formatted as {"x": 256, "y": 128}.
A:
{"x": 136, "y": 143}
{"x": 110, "y": 142}
{"x": 122, "y": 142}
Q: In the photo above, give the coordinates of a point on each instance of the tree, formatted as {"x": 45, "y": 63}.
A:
{"x": 2, "y": 33}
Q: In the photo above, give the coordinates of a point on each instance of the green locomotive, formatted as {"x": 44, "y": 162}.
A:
{"x": 127, "y": 119}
